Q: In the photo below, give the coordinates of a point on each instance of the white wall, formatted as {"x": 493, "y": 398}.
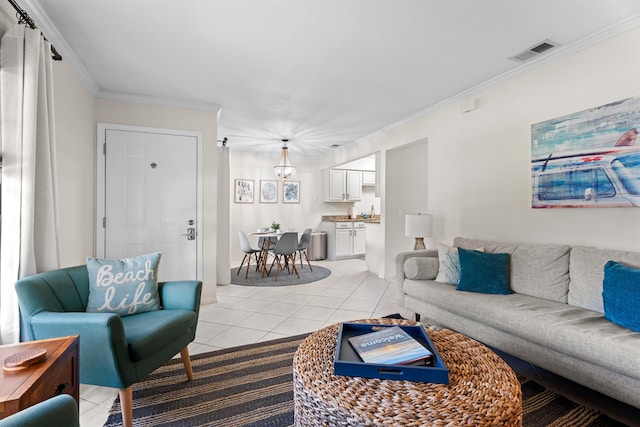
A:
{"x": 250, "y": 216}
{"x": 406, "y": 189}
{"x": 74, "y": 109}
{"x": 7, "y": 17}
{"x": 307, "y": 214}
{"x": 181, "y": 119}
{"x": 479, "y": 163}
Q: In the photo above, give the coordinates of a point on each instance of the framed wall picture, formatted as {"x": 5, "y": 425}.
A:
{"x": 291, "y": 192}
{"x": 589, "y": 158}
{"x": 243, "y": 190}
{"x": 268, "y": 191}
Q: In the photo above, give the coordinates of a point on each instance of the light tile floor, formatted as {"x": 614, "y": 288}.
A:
{"x": 245, "y": 315}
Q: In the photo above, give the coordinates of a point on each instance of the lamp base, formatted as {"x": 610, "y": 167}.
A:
{"x": 419, "y": 244}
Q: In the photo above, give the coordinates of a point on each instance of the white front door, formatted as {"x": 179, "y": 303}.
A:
{"x": 150, "y": 192}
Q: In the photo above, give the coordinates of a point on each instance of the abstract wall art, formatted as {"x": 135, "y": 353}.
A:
{"x": 268, "y": 191}
{"x": 590, "y": 158}
{"x": 243, "y": 190}
{"x": 291, "y": 192}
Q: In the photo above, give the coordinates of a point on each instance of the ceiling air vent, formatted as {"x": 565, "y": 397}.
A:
{"x": 534, "y": 51}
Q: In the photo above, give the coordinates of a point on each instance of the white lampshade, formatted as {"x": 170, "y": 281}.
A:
{"x": 418, "y": 225}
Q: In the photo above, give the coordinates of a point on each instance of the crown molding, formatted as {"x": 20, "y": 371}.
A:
{"x": 34, "y": 9}
{"x": 46, "y": 26}
{"x": 53, "y": 35}
{"x": 162, "y": 102}
{"x": 559, "y": 52}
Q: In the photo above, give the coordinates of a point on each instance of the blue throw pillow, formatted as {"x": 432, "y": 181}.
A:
{"x": 621, "y": 295}
{"x": 123, "y": 286}
{"x": 483, "y": 272}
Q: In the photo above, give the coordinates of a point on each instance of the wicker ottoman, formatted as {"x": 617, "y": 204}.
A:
{"x": 482, "y": 389}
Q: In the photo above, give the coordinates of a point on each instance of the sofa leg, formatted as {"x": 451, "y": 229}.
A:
{"x": 417, "y": 316}
{"x": 126, "y": 406}
{"x": 186, "y": 361}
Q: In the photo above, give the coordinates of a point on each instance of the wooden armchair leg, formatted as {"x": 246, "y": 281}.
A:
{"x": 126, "y": 406}
{"x": 186, "y": 361}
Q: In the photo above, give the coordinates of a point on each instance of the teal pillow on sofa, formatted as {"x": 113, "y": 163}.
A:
{"x": 123, "y": 286}
{"x": 621, "y": 295}
{"x": 483, "y": 272}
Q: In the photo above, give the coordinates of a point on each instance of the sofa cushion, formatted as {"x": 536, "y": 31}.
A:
{"x": 148, "y": 333}
{"x": 621, "y": 295}
{"x": 587, "y": 273}
{"x": 583, "y": 334}
{"x": 536, "y": 270}
{"x": 123, "y": 286}
{"x": 481, "y": 272}
{"x": 421, "y": 268}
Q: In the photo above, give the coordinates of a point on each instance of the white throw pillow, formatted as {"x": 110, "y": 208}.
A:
{"x": 449, "y": 264}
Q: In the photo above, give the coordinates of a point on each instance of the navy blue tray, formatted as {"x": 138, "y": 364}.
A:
{"x": 348, "y": 363}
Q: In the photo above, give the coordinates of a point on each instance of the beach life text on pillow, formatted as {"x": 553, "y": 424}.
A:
{"x": 125, "y": 286}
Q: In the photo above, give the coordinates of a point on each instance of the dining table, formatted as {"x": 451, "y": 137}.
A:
{"x": 266, "y": 244}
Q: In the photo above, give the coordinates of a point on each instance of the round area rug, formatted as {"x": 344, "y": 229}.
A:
{"x": 284, "y": 278}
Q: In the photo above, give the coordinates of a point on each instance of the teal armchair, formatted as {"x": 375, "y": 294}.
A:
{"x": 58, "y": 411}
{"x": 114, "y": 351}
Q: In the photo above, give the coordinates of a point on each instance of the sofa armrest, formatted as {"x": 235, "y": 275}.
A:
{"x": 181, "y": 295}
{"x": 104, "y": 353}
{"x": 400, "y": 276}
{"x": 59, "y": 410}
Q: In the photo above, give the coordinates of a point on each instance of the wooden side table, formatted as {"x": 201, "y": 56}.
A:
{"x": 58, "y": 374}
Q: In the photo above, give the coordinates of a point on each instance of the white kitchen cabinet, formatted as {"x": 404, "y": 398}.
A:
{"x": 368, "y": 178}
{"x": 354, "y": 185}
{"x": 343, "y": 185}
{"x": 359, "y": 238}
{"x": 345, "y": 239}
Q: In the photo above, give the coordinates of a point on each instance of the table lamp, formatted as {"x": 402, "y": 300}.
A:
{"x": 418, "y": 226}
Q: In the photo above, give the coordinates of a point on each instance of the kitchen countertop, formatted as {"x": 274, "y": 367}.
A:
{"x": 346, "y": 218}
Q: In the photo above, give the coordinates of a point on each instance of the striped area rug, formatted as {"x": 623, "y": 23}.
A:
{"x": 252, "y": 386}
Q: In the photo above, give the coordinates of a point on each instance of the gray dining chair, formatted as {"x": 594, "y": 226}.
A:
{"x": 245, "y": 246}
{"x": 266, "y": 245}
{"x": 285, "y": 252}
{"x": 303, "y": 247}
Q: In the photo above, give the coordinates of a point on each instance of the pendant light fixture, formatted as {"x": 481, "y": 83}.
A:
{"x": 285, "y": 170}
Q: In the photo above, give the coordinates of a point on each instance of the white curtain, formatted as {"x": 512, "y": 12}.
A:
{"x": 29, "y": 231}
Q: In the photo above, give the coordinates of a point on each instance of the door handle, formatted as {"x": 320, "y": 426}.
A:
{"x": 191, "y": 234}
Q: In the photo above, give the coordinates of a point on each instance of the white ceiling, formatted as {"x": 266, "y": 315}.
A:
{"x": 315, "y": 72}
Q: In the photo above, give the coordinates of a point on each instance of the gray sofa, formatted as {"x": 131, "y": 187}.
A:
{"x": 553, "y": 319}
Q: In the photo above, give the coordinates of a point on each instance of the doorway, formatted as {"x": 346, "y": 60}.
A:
{"x": 149, "y": 197}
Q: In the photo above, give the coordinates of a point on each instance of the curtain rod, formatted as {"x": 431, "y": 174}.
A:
{"x": 24, "y": 18}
